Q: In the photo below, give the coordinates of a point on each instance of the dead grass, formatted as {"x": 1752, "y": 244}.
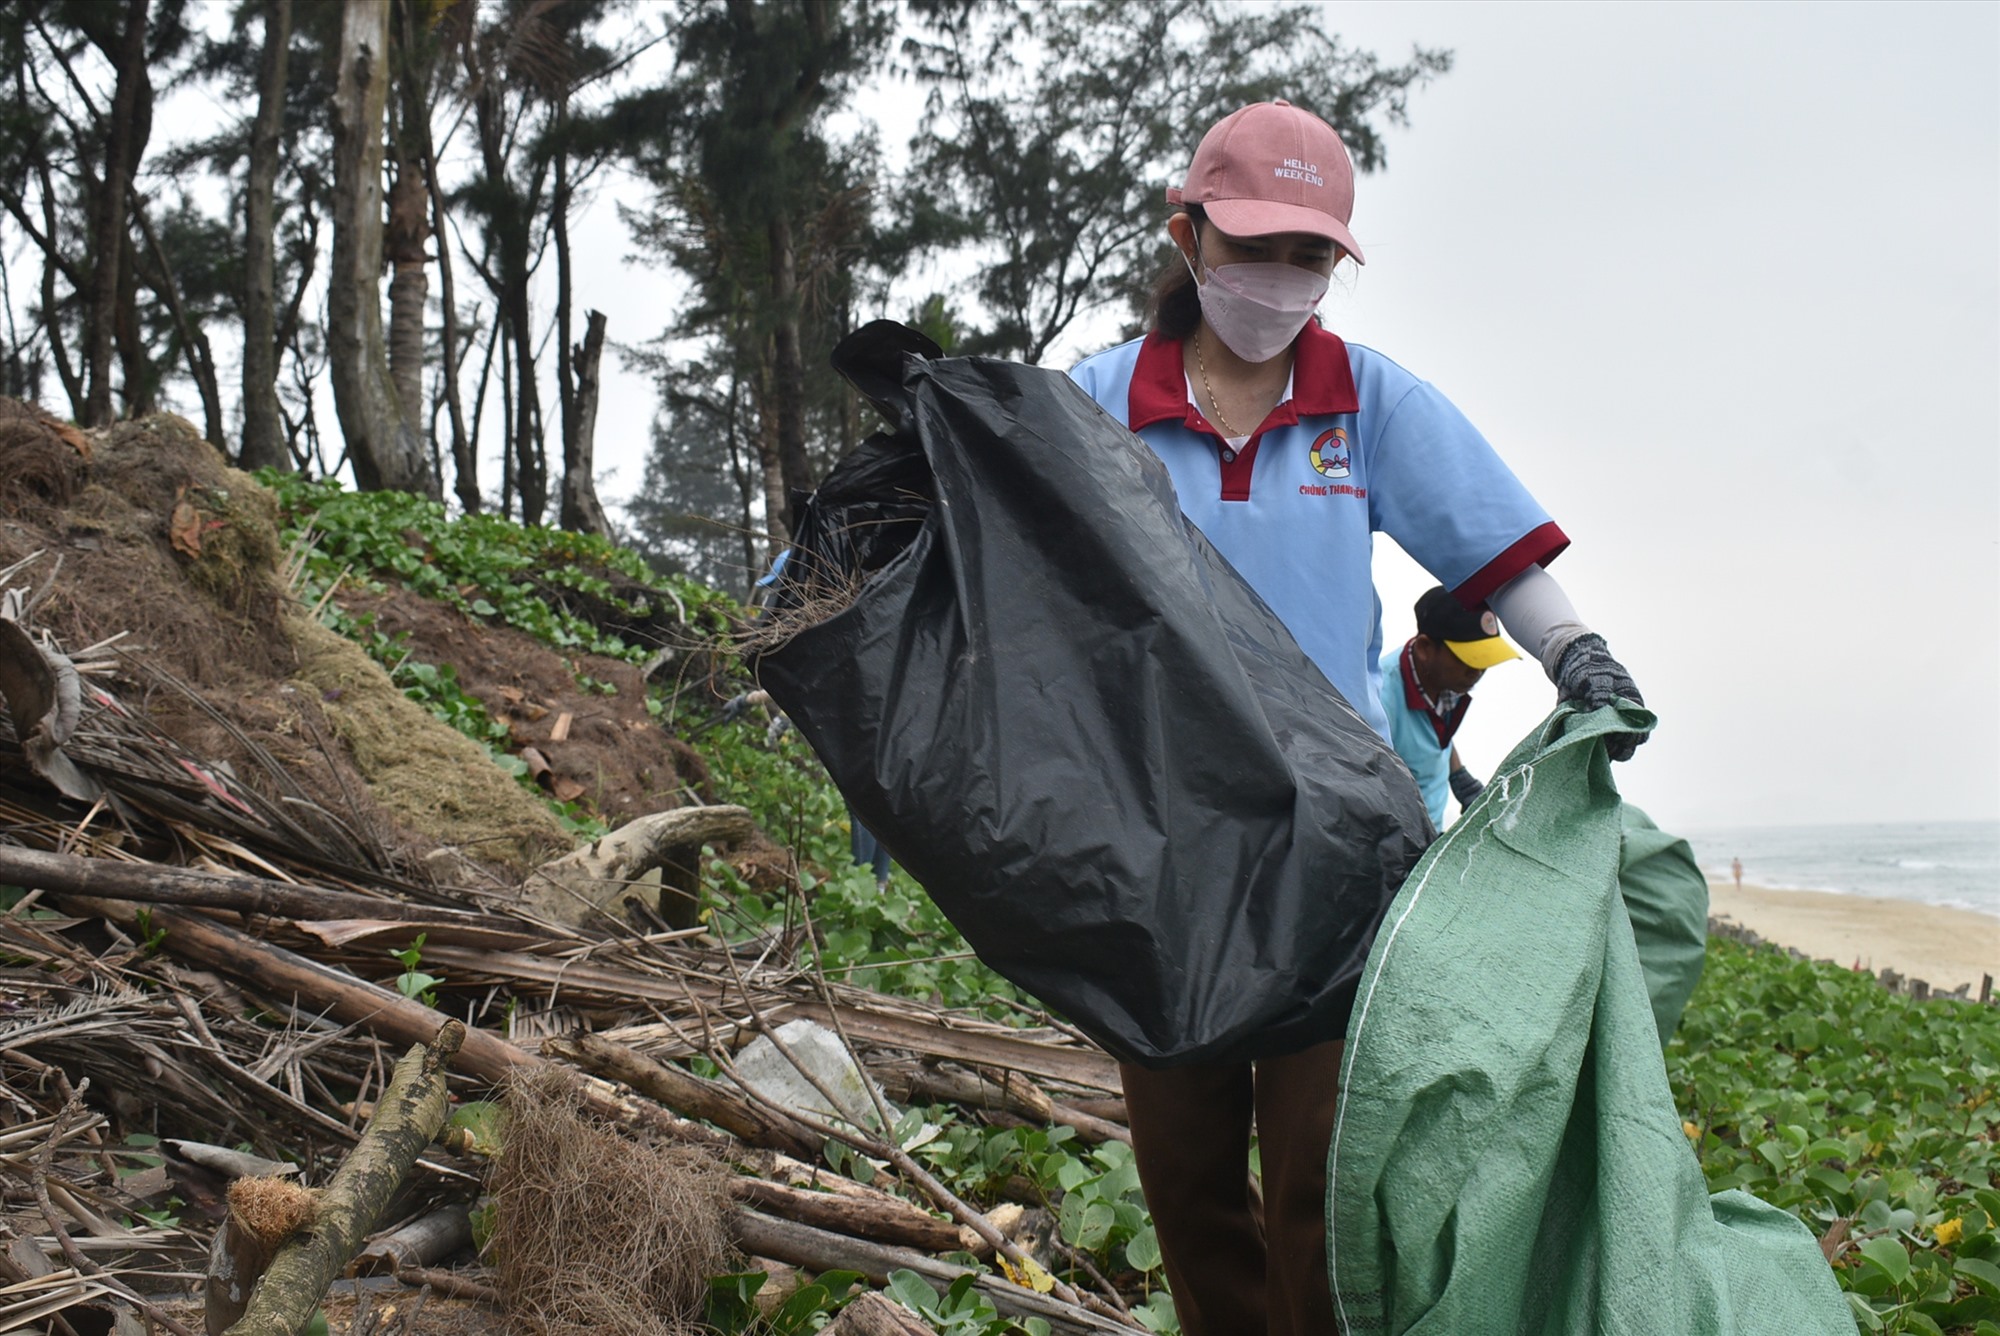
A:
{"x": 42, "y": 459}
{"x": 594, "y": 1232}
{"x": 435, "y": 780}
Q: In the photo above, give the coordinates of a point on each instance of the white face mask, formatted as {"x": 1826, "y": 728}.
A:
{"x": 1258, "y": 309}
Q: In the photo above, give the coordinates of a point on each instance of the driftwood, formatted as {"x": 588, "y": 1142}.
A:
{"x": 274, "y": 970}
{"x": 427, "y": 1239}
{"x": 1072, "y": 1065}
{"x": 873, "y": 1315}
{"x": 582, "y": 887}
{"x": 407, "y": 1117}
{"x": 821, "y": 1250}
{"x": 687, "y": 1094}
{"x": 885, "y": 1219}
{"x": 382, "y": 1011}
{"x": 951, "y": 1085}
{"x": 151, "y": 883}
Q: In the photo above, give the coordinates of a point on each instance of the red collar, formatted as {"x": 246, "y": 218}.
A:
{"x": 1414, "y": 697}
{"x": 1322, "y": 383}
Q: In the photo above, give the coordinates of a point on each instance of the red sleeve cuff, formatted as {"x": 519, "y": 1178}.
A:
{"x": 1538, "y": 547}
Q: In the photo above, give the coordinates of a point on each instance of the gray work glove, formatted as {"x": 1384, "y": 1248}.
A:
{"x": 1464, "y": 787}
{"x": 1589, "y": 678}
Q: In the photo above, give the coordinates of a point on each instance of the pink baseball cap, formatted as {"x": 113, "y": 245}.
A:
{"x": 1273, "y": 167}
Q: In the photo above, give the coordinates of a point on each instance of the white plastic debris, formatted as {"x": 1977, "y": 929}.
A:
{"x": 767, "y": 1071}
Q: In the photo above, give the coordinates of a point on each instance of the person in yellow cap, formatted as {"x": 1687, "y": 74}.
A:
{"x": 1427, "y": 688}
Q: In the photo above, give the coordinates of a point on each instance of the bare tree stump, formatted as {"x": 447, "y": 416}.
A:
{"x": 406, "y": 1119}
{"x": 586, "y": 884}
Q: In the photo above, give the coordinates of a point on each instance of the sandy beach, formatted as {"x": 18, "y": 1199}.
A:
{"x": 1945, "y": 946}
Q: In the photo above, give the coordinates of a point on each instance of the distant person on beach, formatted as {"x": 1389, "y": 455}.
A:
{"x": 1736, "y": 871}
{"x": 1289, "y": 449}
{"x": 1426, "y": 690}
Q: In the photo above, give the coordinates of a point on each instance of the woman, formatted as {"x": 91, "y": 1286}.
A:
{"x": 1289, "y": 450}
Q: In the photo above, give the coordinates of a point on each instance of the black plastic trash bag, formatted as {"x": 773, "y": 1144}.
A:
{"x": 1075, "y": 725}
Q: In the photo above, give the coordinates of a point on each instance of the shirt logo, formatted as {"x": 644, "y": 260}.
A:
{"x": 1330, "y": 454}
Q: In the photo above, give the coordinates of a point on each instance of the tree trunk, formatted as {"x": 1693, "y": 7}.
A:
{"x": 409, "y": 286}
{"x": 139, "y": 390}
{"x": 511, "y": 228}
{"x": 580, "y": 508}
{"x": 787, "y": 367}
{"x": 263, "y": 439}
{"x": 71, "y": 377}
{"x": 739, "y": 470}
{"x": 382, "y": 441}
{"x": 194, "y": 339}
{"x": 531, "y": 469}
{"x": 464, "y": 462}
{"x": 126, "y": 131}
{"x": 778, "y": 534}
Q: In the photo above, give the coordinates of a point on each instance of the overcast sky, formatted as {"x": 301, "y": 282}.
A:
{"x": 1722, "y": 283}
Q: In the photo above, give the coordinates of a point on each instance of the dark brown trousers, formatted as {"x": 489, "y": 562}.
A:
{"x": 1237, "y": 1270}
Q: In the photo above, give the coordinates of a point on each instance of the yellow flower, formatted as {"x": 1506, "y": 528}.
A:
{"x": 1693, "y": 1132}
{"x": 1950, "y": 1232}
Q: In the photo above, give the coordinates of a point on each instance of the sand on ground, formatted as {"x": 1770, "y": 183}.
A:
{"x": 1943, "y": 946}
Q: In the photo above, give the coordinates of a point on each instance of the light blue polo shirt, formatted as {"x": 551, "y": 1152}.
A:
{"x": 1362, "y": 445}
{"x": 1413, "y": 737}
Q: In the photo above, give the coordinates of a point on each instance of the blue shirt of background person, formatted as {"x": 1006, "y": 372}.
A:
{"x": 1426, "y": 687}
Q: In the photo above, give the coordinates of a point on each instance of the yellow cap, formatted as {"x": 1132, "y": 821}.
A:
{"x": 1482, "y": 654}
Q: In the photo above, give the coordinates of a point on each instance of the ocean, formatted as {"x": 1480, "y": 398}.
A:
{"x": 1941, "y": 863}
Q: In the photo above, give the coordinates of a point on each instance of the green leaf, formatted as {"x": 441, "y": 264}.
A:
{"x": 1985, "y": 1276}
{"x": 1098, "y": 1217}
{"x": 1889, "y": 1255}
{"x": 1143, "y": 1252}
{"x": 913, "y": 1292}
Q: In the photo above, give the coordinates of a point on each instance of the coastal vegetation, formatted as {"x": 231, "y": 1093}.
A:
{"x": 1872, "y": 1117}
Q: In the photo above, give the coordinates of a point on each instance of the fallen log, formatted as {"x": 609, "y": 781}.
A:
{"x": 686, "y": 1094}
{"x": 885, "y": 1219}
{"x": 875, "y": 1315}
{"x": 154, "y": 883}
{"x": 820, "y": 1250}
{"x": 1072, "y": 1065}
{"x": 383, "y": 1012}
{"x": 407, "y": 1117}
{"x": 927, "y": 1084}
{"x": 586, "y": 884}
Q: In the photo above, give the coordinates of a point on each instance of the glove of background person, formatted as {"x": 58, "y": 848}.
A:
{"x": 1464, "y": 787}
{"x": 1589, "y": 678}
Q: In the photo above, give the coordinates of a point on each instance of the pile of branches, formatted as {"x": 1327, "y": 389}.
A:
{"x": 215, "y": 960}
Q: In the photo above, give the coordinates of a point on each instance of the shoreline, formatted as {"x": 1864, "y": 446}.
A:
{"x": 1941, "y": 945}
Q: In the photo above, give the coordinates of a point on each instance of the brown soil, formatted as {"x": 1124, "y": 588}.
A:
{"x": 162, "y": 544}
{"x": 147, "y": 536}
{"x": 611, "y": 759}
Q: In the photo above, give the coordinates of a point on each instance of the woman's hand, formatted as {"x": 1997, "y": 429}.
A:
{"x": 1589, "y": 678}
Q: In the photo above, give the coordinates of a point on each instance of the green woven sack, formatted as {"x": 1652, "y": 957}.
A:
{"x": 1666, "y": 897}
{"x": 1507, "y": 1158}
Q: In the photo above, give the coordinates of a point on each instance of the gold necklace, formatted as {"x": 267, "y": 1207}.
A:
{"x": 1214, "y": 404}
